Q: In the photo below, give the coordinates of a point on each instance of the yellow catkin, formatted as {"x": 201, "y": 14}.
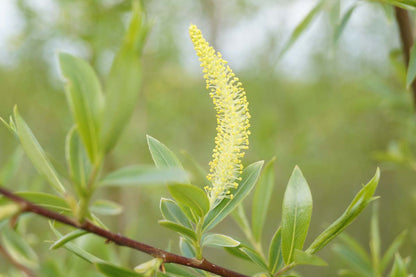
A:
{"x": 233, "y": 117}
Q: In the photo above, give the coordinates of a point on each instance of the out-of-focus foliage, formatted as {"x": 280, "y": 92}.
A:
{"x": 335, "y": 119}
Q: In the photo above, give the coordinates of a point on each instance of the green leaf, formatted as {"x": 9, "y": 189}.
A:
{"x": 18, "y": 249}
{"x": 86, "y": 101}
{"x": 8, "y": 210}
{"x": 10, "y": 168}
{"x": 275, "y": 252}
{"x": 237, "y": 252}
{"x": 375, "y": 244}
{"x": 161, "y": 155}
{"x": 106, "y": 207}
{"x": 36, "y": 154}
{"x": 399, "y": 267}
{"x": 296, "y": 215}
{"x": 171, "y": 211}
{"x": 112, "y": 270}
{"x": 389, "y": 254}
{"x": 307, "y": 259}
{"x": 411, "y": 69}
{"x": 124, "y": 81}
{"x": 77, "y": 160}
{"x": 218, "y": 240}
{"x": 178, "y": 228}
{"x": 177, "y": 271}
{"x": 261, "y": 200}
{"x": 46, "y": 200}
{"x": 360, "y": 201}
{"x": 10, "y": 126}
{"x": 249, "y": 178}
{"x": 138, "y": 175}
{"x": 190, "y": 196}
{"x": 254, "y": 256}
{"x": 149, "y": 267}
{"x": 303, "y": 25}
{"x": 341, "y": 25}
{"x": 186, "y": 248}
{"x": 67, "y": 238}
{"x": 353, "y": 256}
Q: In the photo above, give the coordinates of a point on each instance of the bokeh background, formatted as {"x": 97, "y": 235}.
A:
{"x": 338, "y": 108}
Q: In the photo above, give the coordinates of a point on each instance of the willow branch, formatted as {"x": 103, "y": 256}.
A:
{"x": 120, "y": 240}
{"x": 406, "y": 37}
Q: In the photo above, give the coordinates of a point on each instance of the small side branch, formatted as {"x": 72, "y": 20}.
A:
{"x": 118, "y": 239}
{"x": 406, "y": 37}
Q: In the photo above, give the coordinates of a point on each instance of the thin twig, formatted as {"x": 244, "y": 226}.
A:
{"x": 15, "y": 263}
{"x": 118, "y": 239}
{"x": 406, "y": 37}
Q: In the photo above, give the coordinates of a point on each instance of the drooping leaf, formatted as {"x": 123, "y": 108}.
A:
{"x": 124, "y": 81}
{"x": 275, "y": 252}
{"x": 307, "y": 259}
{"x": 36, "y": 154}
{"x": 172, "y": 212}
{"x": 249, "y": 178}
{"x": 112, "y": 270}
{"x": 191, "y": 197}
{"x": 393, "y": 248}
{"x": 138, "y": 175}
{"x": 296, "y": 215}
{"x": 178, "y": 228}
{"x": 261, "y": 200}
{"x": 219, "y": 240}
{"x": 67, "y": 238}
{"x": 360, "y": 201}
{"x": 254, "y": 256}
{"x": 85, "y": 99}
{"x": 106, "y": 207}
{"x": 18, "y": 248}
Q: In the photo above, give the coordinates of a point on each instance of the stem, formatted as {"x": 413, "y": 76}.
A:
{"x": 15, "y": 263}
{"x": 286, "y": 268}
{"x": 406, "y": 37}
{"x": 120, "y": 240}
{"x": 198, "y": 246}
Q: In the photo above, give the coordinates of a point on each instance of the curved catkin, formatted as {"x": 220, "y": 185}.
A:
{"x": 233, "y": 117}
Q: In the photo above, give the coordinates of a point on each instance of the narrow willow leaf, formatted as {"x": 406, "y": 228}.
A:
{"x": 357, "y": 249}
{"x": 275, "y": 252}
{"x": 393, "y": 248}
{"x": 36, "y": 154}
{"x": 341, "y": 26}
{"x": 375, "y": 243}
{"x": 237, "y": 252}
{"x": 177, "y": 271}
{"x": 8, "y": 210}
{"x": 219, "y": 240}
{"x": 355, "y": 261}
{"x": 67, "y": 238}
{"x": 360, "y": 201}
{"x": 124, "y": 81}
{"x": 10, "y": 126}
{"x": 161, "y": 155}
{"x": 399, "y": 267}
{"x": 172, "y": 212}
{"x": 106, "y": 207}
{"x": 46, "y": 200}
{"x": 112, "y": 270}
{"x": 296, "y": 215}
{"x": 186, "y": 248}
{"x": 303, "y": 25}
{"x": 307, "y": 259}
{"x": 18, "y": 248}
{"x": 86, "y": 101}
{"x": 138, "y": 175}
{"x": 77, "y": 160}
{"x": 249, "y": 179}
{"x": 149, "y": 266}
{"x": 8, "y": 171}
{"x": 191, "y": 197}
{"x": 254, "y": 257}
{"x": 178, "y": 228}
{"x": 411, "y": 69}
{"x": 261, "y": 200}
{"x": 239, "y": 216}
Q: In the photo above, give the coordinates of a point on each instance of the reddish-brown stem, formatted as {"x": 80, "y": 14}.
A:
{"x": 15, "y": 263}
{"x": 118, "y": 239}
{"x": 406, "y": 37}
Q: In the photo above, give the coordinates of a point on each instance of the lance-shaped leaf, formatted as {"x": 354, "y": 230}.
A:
{"x": 262, "y": 196}
{"x": 375, "y": 242}
{"x": 341, "y": 25}
{"x": 192, "y": 197}
{"x": 179, "y": 228}
{"x": 46, "y": 200}
{"x": 186, "y": 248}
{"x": 296, "y": 215}
{"x": 86, "y": 101}
{"x": 124, "y": 81}
{"x": 275, "y": 252}
{"x": 36, "y": 154}
{"x": 171, "y": 211}
{"x": 112, "y": 270}
{"x": 393, "y": 248}
{"x": 161, "y": 155}
{"x": 249, "y": 178}
{"x": 360, "y": 201}
{"x": 399, "y": 267}
{"x": 67, "y": 238}
{"x": 219, "y": 240}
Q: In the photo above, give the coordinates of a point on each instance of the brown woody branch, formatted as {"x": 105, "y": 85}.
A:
{"x": 406, "y": 37}
{"x": 118, "y": 239}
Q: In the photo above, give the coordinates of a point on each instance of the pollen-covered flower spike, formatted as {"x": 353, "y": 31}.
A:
{"x": 233, "y": 117}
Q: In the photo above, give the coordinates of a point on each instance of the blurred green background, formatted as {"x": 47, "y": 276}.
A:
{"x": 331, "y": 107}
